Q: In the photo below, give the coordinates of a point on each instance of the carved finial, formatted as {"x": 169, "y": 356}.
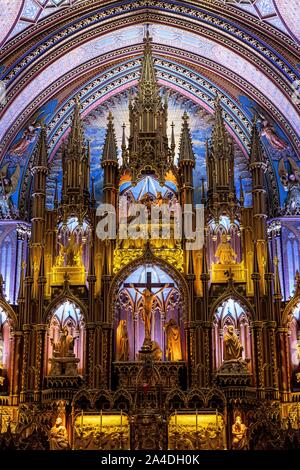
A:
{"x": 186, "y": 153}
{"x": 110, "y": 150}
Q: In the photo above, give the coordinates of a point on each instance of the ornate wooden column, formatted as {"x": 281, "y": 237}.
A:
{"x": 257, "y": 335}
{"x": 284, "y": 363}
{"x": 16, "y": 367}
{"x": 90, "y": 356}
{"x": 25, "y": 362}
{"x": 40, "y": 335}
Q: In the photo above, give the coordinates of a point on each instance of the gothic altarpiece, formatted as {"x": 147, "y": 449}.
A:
{"x": 140, "y": 343}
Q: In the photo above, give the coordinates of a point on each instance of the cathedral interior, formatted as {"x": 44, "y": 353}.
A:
{"x": 147, "y": 342}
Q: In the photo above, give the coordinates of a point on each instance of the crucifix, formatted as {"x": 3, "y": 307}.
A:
{"x": 148, "y": 298}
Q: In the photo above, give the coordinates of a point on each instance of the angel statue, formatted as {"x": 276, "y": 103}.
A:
{"x": 8, "y": 186}
{"x": 289, "y": 174}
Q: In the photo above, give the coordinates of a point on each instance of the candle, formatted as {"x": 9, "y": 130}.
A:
{"x": 216, "y": 417}
{"x": 176, "y": 420}
{"x": 196, "y": 420}
{"x": 121, "y": 420}
{"x": 81, "y": 419}
{"x": 101, "y": 421}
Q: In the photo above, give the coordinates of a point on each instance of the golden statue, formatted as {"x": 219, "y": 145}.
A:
{"x": 239, "y": 437}
{"x": 173, "y": 349}
{"x": 122, "y": 347}
{"x": 225, "y": 252}
{"x": 148, "y": 298}
{"x": 58, "y": 438}
{"x": 232, "y": 346}
{"x": 65, "y": 346}
{"x": 70, "y": 255}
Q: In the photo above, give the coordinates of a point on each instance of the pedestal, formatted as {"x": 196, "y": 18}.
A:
{"x": 64, "y": 366}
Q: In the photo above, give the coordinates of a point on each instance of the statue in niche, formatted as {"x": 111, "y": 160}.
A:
{"x": 290, "y": 179}
{"x": 70, "y": 255}
{"x": 148, "y": 298}
{"x": 173, "y": 349}
{"x": 58, "y": 438}
{"x": 65, "y": 346}
{"x": 239, "y": 435}
{"x": 122, "y": 349}
{"x": 232, "y": 346}
{"x": 225, "y": 252}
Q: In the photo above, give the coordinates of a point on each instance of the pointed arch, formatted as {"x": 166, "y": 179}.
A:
{"x": 61, "y": 299}
{"x": 149, "y": 258}
{"x": 232, "y": 294}
{"x": 289, "y": 309}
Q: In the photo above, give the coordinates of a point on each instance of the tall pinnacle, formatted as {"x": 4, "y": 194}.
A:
{"x": 219, "y": 134}
{"x": 256, "y": 155}
{"x": 76, "y": 137}
{"x": 148, "y": 92}
{"x": 186, "y": 152}
{"x": 110, "y": 151}
{"x": 41, "y": 156}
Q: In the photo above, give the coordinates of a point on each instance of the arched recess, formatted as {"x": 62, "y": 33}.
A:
{"x": 231, "y": 310}
{"x": 161, "y": 315}
{"x": 8, "y": 323}
{"x": 291, "y": 320}
{"x": 66, "y": 312}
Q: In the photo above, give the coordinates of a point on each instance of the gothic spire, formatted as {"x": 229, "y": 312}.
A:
{"x": 110, "y": 151}
{"x": 41, "y": 157}
{"x": 76, "y": 137}
{"x": 186, "y": 153}
{"x": 148, "y": 91}
{"x": 256, "y": 154}
{"x": 219, "y": 134}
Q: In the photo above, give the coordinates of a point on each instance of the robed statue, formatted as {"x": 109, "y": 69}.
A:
{"x": 122, "y": 346}
{"x": 65, "y": 346}
{"x": 173, "y": 343}
{"x": 225, "y": 252}
{"x": 239, "y": 435}
{"x": 58, "y": 437}
{"x": 232, "y": 346}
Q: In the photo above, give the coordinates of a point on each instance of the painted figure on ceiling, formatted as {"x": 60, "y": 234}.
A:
{"x": 268, "y": 131}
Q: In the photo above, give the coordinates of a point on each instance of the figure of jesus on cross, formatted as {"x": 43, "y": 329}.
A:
{"x": 148, "y": 298}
